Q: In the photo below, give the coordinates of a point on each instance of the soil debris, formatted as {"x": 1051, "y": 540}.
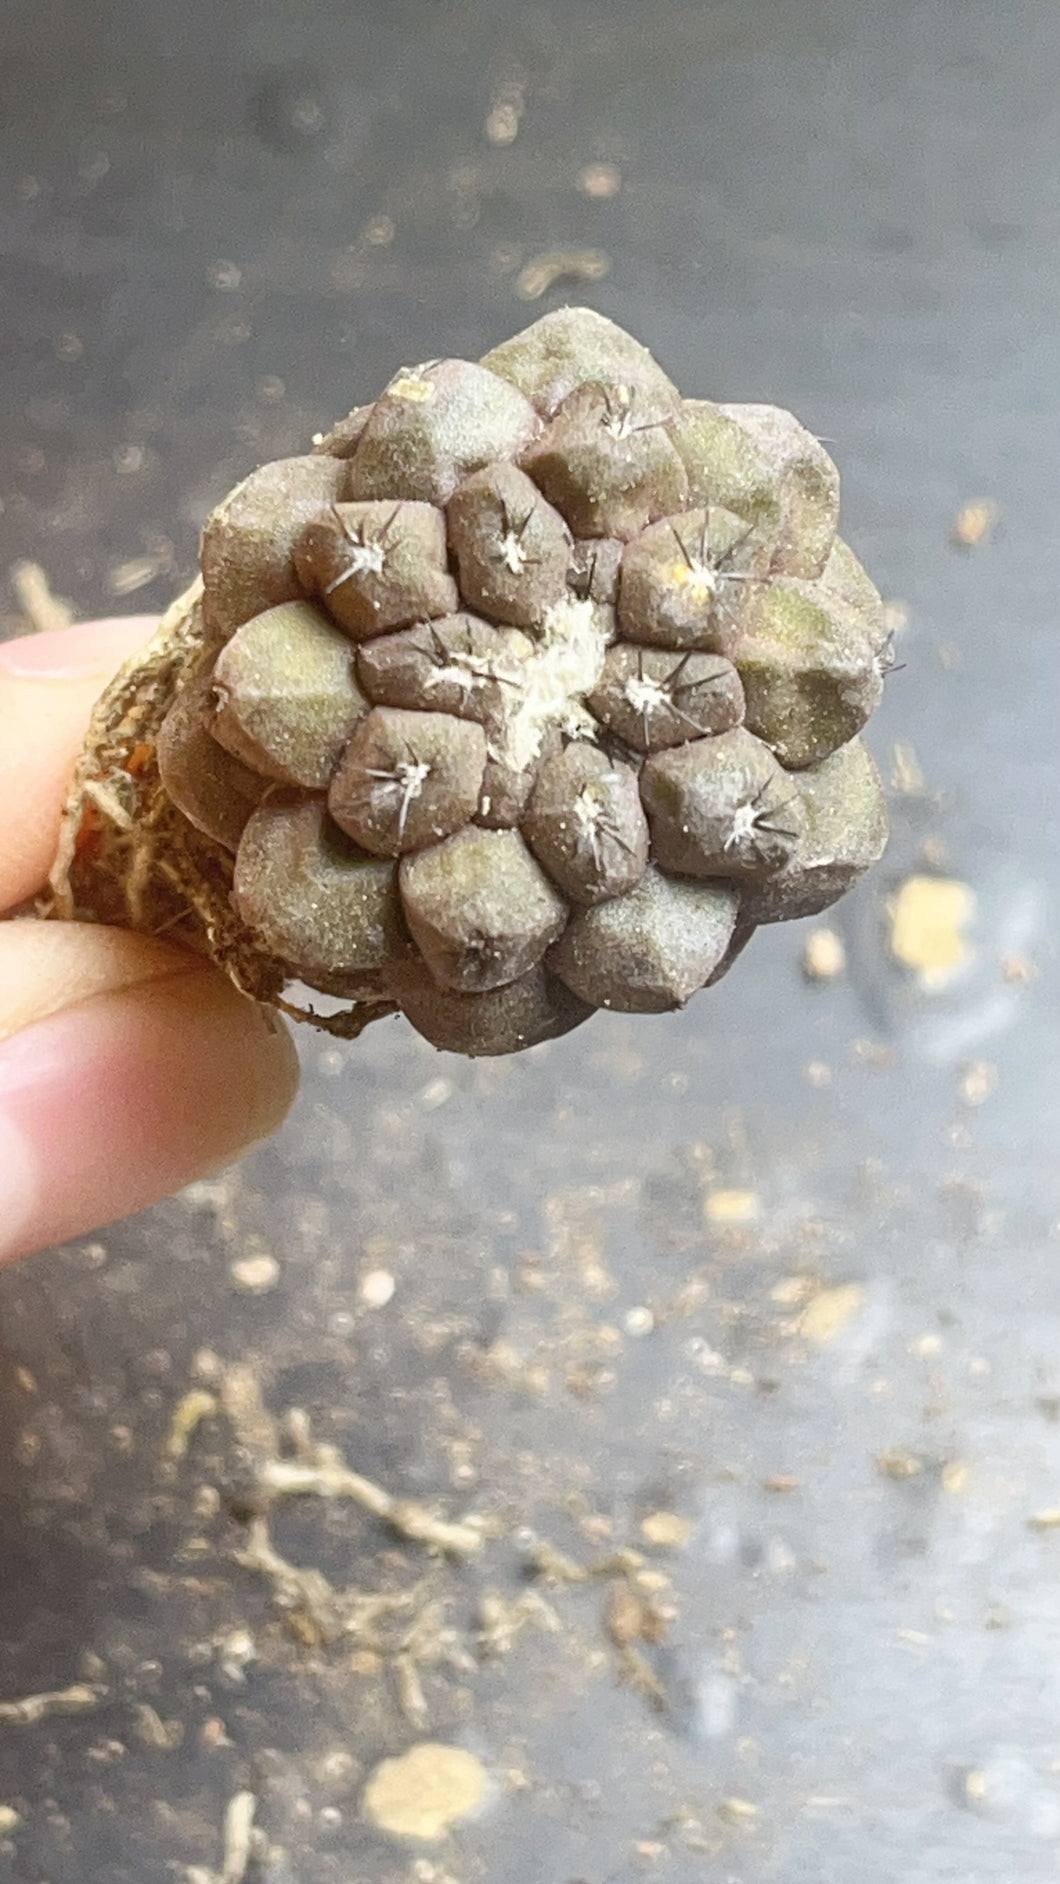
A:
{"x": 41, "y": 611}
{"x": 545, "y": 271}
{"x": 978, "y": 1080}
{"x": 405, "y": 1629}
{"x": 898, "y": 1463}
{"x": 929, "y": 916}
{"x": 255, "y": 1275}
{"x": 974, "y": 523}
{"x": 188, "y": 1414}
{"x": 79, "y": 1698}
{"x": 327, "y": 1476}
{"x": 599, "y": 181}
{"x": 423, "y": 1793}
{"x": 239, "y": 1847}
{"x": 666, "y": 1530}
{"x": 907, "y": 777}
{"x": 731, "y": 1206}
{"x": 502, "y": 1619}
{"x": 825, "y": 1318}
{"x": 823, "y": 956}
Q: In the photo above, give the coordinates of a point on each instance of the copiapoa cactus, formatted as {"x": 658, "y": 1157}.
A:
{"x": 532, "y": 689}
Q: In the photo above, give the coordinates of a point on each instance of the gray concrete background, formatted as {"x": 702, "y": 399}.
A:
{"x": 222, "y": 226}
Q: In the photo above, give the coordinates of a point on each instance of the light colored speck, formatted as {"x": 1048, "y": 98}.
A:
{"x": 638, "y": 1321}
{"x": 162, "y": 1736}
{"x": 780, "y": 1559}
{"x": 226, "y": 276}
{"x": 737, "y": 1810}
{"x": 189, "y": 1412}
{"x": 823, "y": 1319}
{"x": 125, "y": 578}
{"x": 790, "y": 1291}
{"x": 255, "y": 1275}
{"x": 974, "y": 523}
{"x": 924, "y": 1347}
{"x": 731, "y": 1206}
{"x": 435, "y": 1094}
{"x": 599, "y": 181}
{"x": 502, "y": 125}
{"x": 413, "y": 388}
{"x": 41, "y": 609}
{"x": 928, "y": 918}
{"x": 666, "y": 1530}
{"x": 379, "y": 232}
{"x": 506, "y": 109}
{"x": 543, "y": 271}
{"x": 235, "y": 1652}
{"x": 977, "y": 1082}
{"x": 823, "y": 956}
{"x": 819, "y": 1073}
{"x": 10, "y": 1820}
{"x": 907, "y": 775}
{"x": 898, "y": 1463}
{"x": 377, "y": 1288}
{"x": 423, "y": 1793}
{"x": 1017, "y": 968}
{"x": 955, "y": 1477}
{"x": 1048, "y": 1519}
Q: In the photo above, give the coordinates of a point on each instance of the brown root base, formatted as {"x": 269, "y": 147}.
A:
{"x": 127, "y": 857}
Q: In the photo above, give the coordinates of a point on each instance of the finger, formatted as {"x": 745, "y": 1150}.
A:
{"x": 49, "y": 684}
{"x": 127, "y": 1070}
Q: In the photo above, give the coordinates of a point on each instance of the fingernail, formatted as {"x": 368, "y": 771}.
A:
{"x": 19, "y": 1186}
{"x": 78, "y": 653}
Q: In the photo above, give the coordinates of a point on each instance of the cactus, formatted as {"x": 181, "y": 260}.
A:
{"x": 532, "y": 690}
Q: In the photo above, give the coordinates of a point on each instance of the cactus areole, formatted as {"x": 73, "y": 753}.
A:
{"x": 532, "y": 688}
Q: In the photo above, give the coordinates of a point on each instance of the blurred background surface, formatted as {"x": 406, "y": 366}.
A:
{"x": 766, "y": 1292}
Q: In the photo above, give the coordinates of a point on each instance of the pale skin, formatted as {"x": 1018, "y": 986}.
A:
{"x": 127, "y": 1067}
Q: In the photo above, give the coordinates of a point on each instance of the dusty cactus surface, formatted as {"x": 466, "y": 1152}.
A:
{"x": 532, "y": 689}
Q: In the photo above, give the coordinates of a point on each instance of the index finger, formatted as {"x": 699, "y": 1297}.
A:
{"x": 49, "y": 684}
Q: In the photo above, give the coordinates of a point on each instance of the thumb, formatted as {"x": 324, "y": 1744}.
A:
{"x": 127, "y": 1069}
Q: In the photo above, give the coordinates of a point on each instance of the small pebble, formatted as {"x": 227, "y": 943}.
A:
{"x": 731, "y": 1207}
{"x": 255, "y": 1275}
{"x": 898, "y": 1463}
{"x": 827, "y": 1315}
{"x": 929, "y": 916}
{"x": 377, "y": 1288}
{"x": 974, "y": 523}
{"x": 638, "y": 1321}
{"x": 424, "y": 1792}
{"x": 599, "y": 181}
{"x": 977, "y": 1082}
{"x": 823, "y": 957}
{"x": 666, "y": 1530}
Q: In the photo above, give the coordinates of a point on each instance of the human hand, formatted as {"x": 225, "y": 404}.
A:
{"x": 127, "y": 1067}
